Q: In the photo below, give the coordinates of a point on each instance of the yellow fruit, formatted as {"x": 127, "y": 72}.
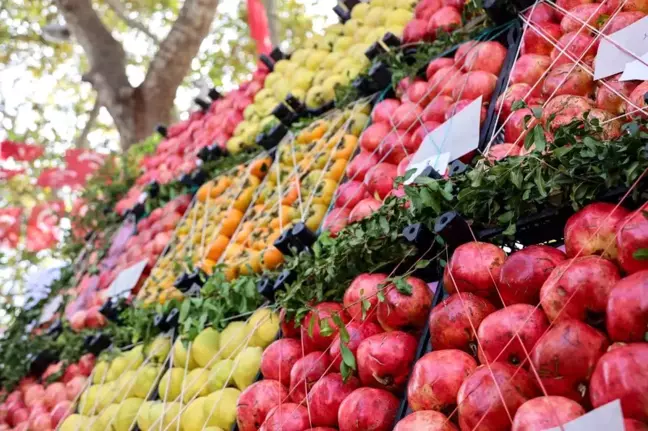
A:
{"x": 145, "y": 381}
{"x": 335, "y": 29}
{"x": 396, "y": 30}
{"x": 195, "y": 384}
{"x": 233, "y": 339}
{"x": 360, "y": 34}
{"x": 360, "y": 11}
{"x": 316, "y": 97}
{"x": 299, "y": 56}
{"x": 357, "y": 122}
{"x": 315, "y": 59}
{"x": 220, "y": 375}
{"x": 376, "y": 16}
{"x": 125, "y": 385}
{"x": 271, "y": 79}
{"x": 143, "y": 416}
{"x": 262, "y": 94}
{"x": 351, "y": 26}
{"x": 135, "y": 357}
{"x": 74, "y": 423}
{"x": 334, "y": 81}
{"x": 106, "y": 395}
{"x": 193, "y": 417}
{"x": 117, "y": 368}
{"x": 302, "y": 79}
{"x": 100, "y": 372}
{"x": 87, "y": 402}
{"x": 171, "y": 417}
{"x": 343, "y": 43}
{"x": 399, "y": 17}
{"x": 171, "y": 384}
{"x": 281, "y": 88}
{"x": 375, "y": 35}
{"x": 247, "y": 364}
{"x": 234, "y": 145}
{"x": 213, "y": 429}
{"x": 181, "y": 358}
{"x": 96, "y": 425}
{"x": 205, "y": 347}
{"x": 281, "y": 66}
{"x": 220, "y": 408}
{"x": 126, "y": 414}
{"x": 159, "y": 348}
{"x": 264, "y": 326}
{"x": 105, "y": 419}
{"x": 321, "y": 76}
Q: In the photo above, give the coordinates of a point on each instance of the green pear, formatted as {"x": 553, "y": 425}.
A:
{"x": 320, "y": 77}
{"x": 88, "y": 401}
{"x": 264, "y": 326}
{"x": 233, "y": 339}
{"x": 299, "y": 56}
{"x": 205, "y": 346}
{"x": 193, "y": 417}
{"x": 143, "y": 415}
{"x": 127, "y": 414}
{"x": 181, "y": 357}
{"x": 159, "y": 349}
{"x": 249, "y": 113}
{"x": 100, "y": 372}
{"x": 171, "y": 384}
{"x": 220, "y": 408}
{"x": 145, "y": 381}
{"x": 74, "y": 423}
{"x": 195, "y": 384}
{"x": 399, "y": 17}
{"x": 247, "y": 365}
{"x": 220, "y": 375}
{"x": 314, "y": 60}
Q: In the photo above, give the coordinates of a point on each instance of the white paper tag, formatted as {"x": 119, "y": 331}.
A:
{"x": 636, "y": 70}
{"x": 611, "y": 60}
{"x": 608, "y": 417}
{"x": 50, "y": 309}
{"x": 126, "y": 280}
{"x": 438, "y": 162}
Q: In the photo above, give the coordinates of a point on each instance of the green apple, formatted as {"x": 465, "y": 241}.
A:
{"x": 332, "y": 59}
{"x": 361, "y": 34}
{"x": 281, "y": 66}
{"x": 271, "y": 78}
{"x": 281, "y": 89}
{"x": 351, "y": 27}
{"x": 321, "y": 76}
{"x": 336, "y": 28}
{"x": 249, "y": 113}
{"x": 332, "y": 82}
{"x": 263, "y": 94}
{"x": 234, "y": 145}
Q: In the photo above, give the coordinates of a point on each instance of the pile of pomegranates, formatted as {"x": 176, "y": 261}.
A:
{"x": 554, "y": 73}
{"x": 399, "y": 126}
{"x": 40, "y": 406}
{"x": 307, "y": 367}
{"x": 536, "y": 339}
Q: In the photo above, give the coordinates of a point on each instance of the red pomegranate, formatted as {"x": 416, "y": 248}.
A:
{"x": 357, "y": 331}
{"x": 445, "y": 19}
{"x": 384, "y": 360}
{"x": 445, "y": 80}
{"x": 543, "y": 413}
{"x": 306, "y": 372}
{"x": 357, "y": 169}
{"x": 489, "y": 395}
{"x": 632, "y": 235}
{"x": 285, "y": 417}
{"x": 579, "y": 288}
{"x": 278, "y": 359}
{"x": 518, "y": 125}
{"x": 336, "y": 220}
{"x": 633, "y": 425}
{"x": 323, "y": 311}
{"x": 454, "y": 322}
{"x": 622, "y": 374}
{"x": 368, "y": 409}
{"x": 502, "y": 151}
{"x": 475, "y": 84}
{"x": 541, "y": 13}
{"x": 396, "y": 146}
{"x": 638, "y": 102}
{"x": 54, "y": 394}
{"x": 577, "y": 46}
{"x": 621, "y": 21}
{"x": 419, "y": 135}
{"x": 436, "y": 379}
{"x": 541, "y": 39}
{"x": 289, "y": 329}
{"x": 627, "y": 309}
{"x": 486, "y": 56}
{"x": 568, "y": 79}
{"x": 565, "y": 358}
{"x": 611, "y": 94}
{"x": 530, "y": 69}
{"x": 406, "y": 311}
{"x": 373, "y": 136}
{"x": 525, "y": 271}
{"x": 380, "y": 179}
{"x": 573, "y": 106}
{"x": 415, "y": 31}
{"x": 384, "y": 110}
{"x": 437, "y": 64}
{"x": 364, "y": 287}
{"x": 508, "y": 335}
{"x": 364, "y": 208}
{"x": 590, "y": 13}
{"x": 418, "y": 93}
{"x": 516, "y": 92}
{"x": 474, "y": 267}
{"x": 350, "y": 193}
{"x": 436, "y": 110}
{"x": 325, "y": 397}
{"x": 463, "y": 51}
{"x": 406, "y": 115}
{"x": 425, "y": 420}
{"x": 60, "y": 412}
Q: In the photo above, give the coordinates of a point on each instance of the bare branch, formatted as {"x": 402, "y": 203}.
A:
{"x": 82, "y": 139}
{"x": 122, "y": 13}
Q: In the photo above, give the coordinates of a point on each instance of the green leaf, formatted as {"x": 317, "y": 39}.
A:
{"x": 641, "y": 254}
{"x": 518, "y": 104}
{"x": 423, "y": 263}
{"x": 510, "y": 230}
{"x": 506, "y": 217}
{"x": 384, "y": 224}
{"x": 402, "y": 286}
{"x": 325, "y": 328}
{"x": 366, "y": 306}
{"x": 344, "y": 334}
{"x": 311, "y": 325}
{"x": 539, "y": 138}
{"x": 347, "y": 356}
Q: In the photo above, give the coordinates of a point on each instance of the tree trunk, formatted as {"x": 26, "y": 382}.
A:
{"x": 273, "y": 22}
{"x": 136, "y": 111}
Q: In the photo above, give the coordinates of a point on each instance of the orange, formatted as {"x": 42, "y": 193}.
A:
{"x": 217, "y": 247}
{"x": 259, "y": 168}
{"x": 271, "y": 258}
{"x": 203, "y": 192}
{"x": 335, "y": 170}
{"x": 221, "y": 185}
{"x": 251, "y": 265}
{"x": 244, "y": 198}
{"x": 207, "y": 266}
{"x": 231, "y": 222}
{"x": 231, "y": 272}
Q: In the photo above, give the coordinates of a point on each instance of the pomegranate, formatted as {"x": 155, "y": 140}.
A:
{"x": 306, "y": 372}
{"x": 86, "y": 364}
{"x": 474, "y": 267}
{"x": 475, "y": 84}
{"x": 373, "y": 136}
{"x": 489, "y": 395}
{"x": 336, "y": 220}
{"x": 426, "y": 8}
{"x": 570, "y": 4}
{"x": 33, "y": 395}
{"x": 384, "y": 360}
{"x": 437, "y": 64}
{"x": 350, "y": 193}
{"x": 627, "y": 309}
{"x": 638, "y": 102}
{"x": 18, "y": 416}
{"x": 566, "y": 105}
{"x": 576, "y": 46}
{"x": 446, "y": 19}
{"x": 368, "y": 409}
{"x": 565, "y": 357}
{"x": 74, "y": 387}
{"x": 406, "y": 115}
{"x": 621, "y": 374}
{"x": 41, "y": 422}
{"x": 408, "y": 310}
{"x": 541, "y": 13}
{"x": 460, "y": 105}
{"x": 401, "y": 170}
{"x": 357, "y": 169}
{"x": 516, "y": 92}
{"x": 289, "y": 329}
{"x": 60, "y": 412}
{"x": 435, "y": 111}
{"x": 425, "y": 420}
{"x": 633, "y": 425}
{"x": 445, "y": 80}
{"x": 543, "y": 413}
{"x": 592, "y": 230}
{"x": 518, "y": 125}
{"x": 436, "y": 379}
{"x": 77, "y": 321}
{"x": 621, "y": 21}
{"x": 632, "y": 235}
{"x": 279, "y": 358}
{"x": 579, "y": 288}
{"x": 365, "y": 208}
{"x": 463, "y": 51}
{"x": 396, "y": 146}
{"x": 524, "y": 273}
{"x": 384, "y": 110}
{"x": 541, "y": 40}
{"x": 589, "y": 12}
{"x": 418, "y": 93}
{"x": 363, "y": 288}
{"x": 325, "y": 397}
{"x": 415, "y": 31}
{"x": 508, "y": 335}
{"x": 54, "y": 394}
{"x": 568, "y": 79}
{"x": 322, "y": 312}
{"x": 611, "y": 94}
{"x": 256, "y": 401}
{"x": 454, "y": 322}
{"x": 419, "y": 135}
{"x": 285, "y": 417}
{"x": 357, "y": 331}
{"x": 485, "y": 56}
{"x": 502, "y": 151}
{"x": 380, "y": 179}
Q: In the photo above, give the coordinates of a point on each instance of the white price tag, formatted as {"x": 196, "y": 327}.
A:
{"x": 608, "y": 417}
{"x": 636, "y": 70}
{"x": 611, "y": 59}
{"x": 50, "y": 309}
{"x": 451, "y": 140}
{"x": 126, "y": 280}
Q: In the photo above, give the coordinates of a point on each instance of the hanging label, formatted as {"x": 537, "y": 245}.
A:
{"x": 625, "y": 46}
{"x": 608, "y": 417}
{"x": 127, "y": 280}
{"x": 636, "y": 70}
{"x": 50, "y": 309}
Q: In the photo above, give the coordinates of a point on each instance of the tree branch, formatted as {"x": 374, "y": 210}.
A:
{"x": 122, "y": 13}
{"x": 82, "y": 139}
{"x": 273, "y": 21}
